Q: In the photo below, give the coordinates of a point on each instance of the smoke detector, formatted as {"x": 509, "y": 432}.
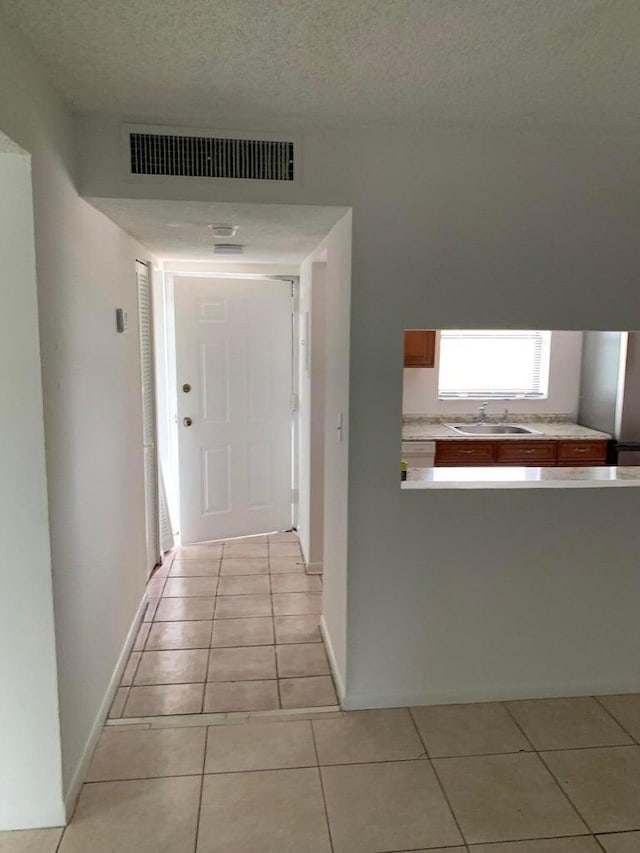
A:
{"x": 223, "y": 232}
{"x": 228, "y": 249}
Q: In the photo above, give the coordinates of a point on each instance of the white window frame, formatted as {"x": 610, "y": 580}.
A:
{"x": 539, "y": 389}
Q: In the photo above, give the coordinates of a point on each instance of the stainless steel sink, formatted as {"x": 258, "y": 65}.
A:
{"x": 491, "y": 429}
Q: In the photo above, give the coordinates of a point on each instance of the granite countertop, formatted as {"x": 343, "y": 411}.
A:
{"x": 502, "y": 477}
{"x": 426, "y": 428}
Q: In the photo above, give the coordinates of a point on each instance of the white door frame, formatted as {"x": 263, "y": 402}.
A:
{"x": 295, "y": 398}
{"x": 171, "y": 367}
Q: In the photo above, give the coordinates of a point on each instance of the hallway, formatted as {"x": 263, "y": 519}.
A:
{"x": 230, "y": 626}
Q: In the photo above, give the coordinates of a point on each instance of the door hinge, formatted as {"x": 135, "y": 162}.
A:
{"x": 295, "y": 496}
{"x": 294, "y": 402}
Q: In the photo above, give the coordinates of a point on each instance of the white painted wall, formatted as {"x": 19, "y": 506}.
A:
{"x": 92, "y": 409}
{"x": 30, "y": 769}
{"x": 311, "y": 426}
{"x": 463, "y": 229}
{"x": 420, "y": 386}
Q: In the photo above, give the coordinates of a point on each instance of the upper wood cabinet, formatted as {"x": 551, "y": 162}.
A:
{"x": 419, "y": 348}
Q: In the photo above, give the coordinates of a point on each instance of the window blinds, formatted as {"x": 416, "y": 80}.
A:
{"x": 498, "y": 364}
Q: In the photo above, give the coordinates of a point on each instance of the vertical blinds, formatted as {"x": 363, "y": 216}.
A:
{"x": 486, "y": 363}
{"x": 148, "y": 413}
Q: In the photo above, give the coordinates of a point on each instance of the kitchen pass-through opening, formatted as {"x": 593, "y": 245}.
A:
{"x": 520, "y": 407}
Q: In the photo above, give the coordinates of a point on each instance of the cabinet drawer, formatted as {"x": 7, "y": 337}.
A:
{"x": 582, "y": 452}
{"x": 465, "y": 452}
{"x": 526, "y": 452}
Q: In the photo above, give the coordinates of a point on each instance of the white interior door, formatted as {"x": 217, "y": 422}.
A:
{"x": 234, "y": 359}
{"x": 145, "y": 321}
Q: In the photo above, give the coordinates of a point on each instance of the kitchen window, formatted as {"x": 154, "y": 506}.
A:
{"x": 492, "y": 364}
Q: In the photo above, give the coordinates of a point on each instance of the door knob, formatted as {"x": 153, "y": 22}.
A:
{"x": 187, "y": 421}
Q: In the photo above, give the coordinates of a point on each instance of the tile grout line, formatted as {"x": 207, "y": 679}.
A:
{"x": 206, "y": 676}
{"x": 273, "y": 627}
{"x": 237, "y": 718}
{"x": 144, "y": 648}
{"x": 437, "y": 777}
{"x": 324, "y": 796}
{"x": 612, "y": 832}
{"x": 498, "y": 844}
{"x": 635, "y": 741}
{"x": 124, "y": 704}
{"x": 164, "y": 583}
{"x": 209, "y": 651}
{"x": 148, "y": 778}
{"x": 566, "y": 795}
{"x": 318, "y": 766}
{"x": 204, "y": 764}
{"x": 330, "y": 764}
{"x": 135, "y": 672}
{"x": 538, "y": 755}
{"x": 261, "y": 646}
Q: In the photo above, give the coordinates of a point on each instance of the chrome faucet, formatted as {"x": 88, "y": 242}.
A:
{"x": 482, "y": 413}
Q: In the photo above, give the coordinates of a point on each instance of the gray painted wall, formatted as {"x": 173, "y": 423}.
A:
{"x": 630, "y": 422}
{"x": 599, "y": 380}
{"x": 478, "y": 230}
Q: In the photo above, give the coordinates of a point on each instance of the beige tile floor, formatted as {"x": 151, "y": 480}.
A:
{"x": 544, "y": 776}
{"x": 231, "y": 626}
{"x": 205, "y": 752}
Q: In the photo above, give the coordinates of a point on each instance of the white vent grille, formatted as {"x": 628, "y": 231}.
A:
{"x": 211, "y": 157}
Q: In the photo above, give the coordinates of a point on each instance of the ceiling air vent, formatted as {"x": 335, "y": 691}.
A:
{"x": 203, "y": 156}
{"x": 228, "y": 249}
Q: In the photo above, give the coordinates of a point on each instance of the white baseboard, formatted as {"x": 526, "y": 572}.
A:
{"x": 332, "y": 660}
{"x": 360, "y": 700}
{"x": 96, "y": 729}
{"x": 315, "y": 568}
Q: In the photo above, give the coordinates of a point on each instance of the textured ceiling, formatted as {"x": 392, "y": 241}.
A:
{"x": 176, "y": 230}
{"x": 258, "y": 63}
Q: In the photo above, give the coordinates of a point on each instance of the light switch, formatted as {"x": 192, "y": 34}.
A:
{"x": 122, "y": 320}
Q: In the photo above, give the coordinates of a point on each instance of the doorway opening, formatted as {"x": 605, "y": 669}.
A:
{"x": 235, "y": 405}
{"x": 251, "y": 367}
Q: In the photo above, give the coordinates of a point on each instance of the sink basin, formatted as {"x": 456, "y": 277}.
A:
{"x": 491, "y": 429}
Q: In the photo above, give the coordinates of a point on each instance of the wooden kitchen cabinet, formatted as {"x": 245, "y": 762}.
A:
{"x": 419, "y": 348}
{"x": 465, "y": 452}
{"x": 526, "y": 452}
{"x": 582, "y": 452}
{"x": 542, "y": 452}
